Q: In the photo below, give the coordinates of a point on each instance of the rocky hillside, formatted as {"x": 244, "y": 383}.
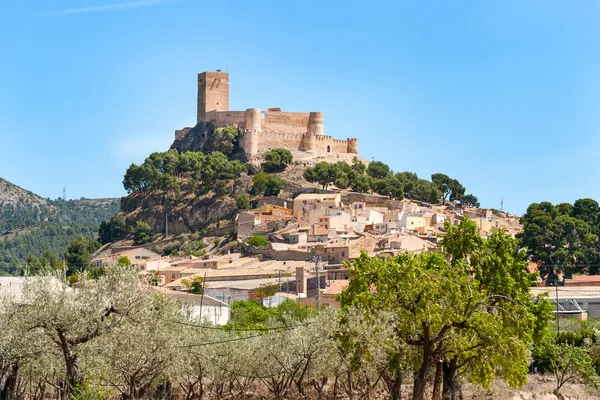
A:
{"x": 33, "y": 225}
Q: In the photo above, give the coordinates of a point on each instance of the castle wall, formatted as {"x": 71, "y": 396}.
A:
{"x": 224, "y": 118}
{"x": 286, "y": 122}
{"x": 269, "y": 140}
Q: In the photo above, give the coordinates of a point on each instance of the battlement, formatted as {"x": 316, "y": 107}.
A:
{"x": 264, "y": 130}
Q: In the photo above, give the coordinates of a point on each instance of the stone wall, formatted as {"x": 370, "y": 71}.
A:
{"x": 224, "y": 118}
{"x": 285, "y": 122}
{"x": 294, "y": 141}
{"x": 213, "y": 93}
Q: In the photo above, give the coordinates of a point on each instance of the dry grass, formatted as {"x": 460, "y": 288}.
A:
{"x": 538, "y": 388}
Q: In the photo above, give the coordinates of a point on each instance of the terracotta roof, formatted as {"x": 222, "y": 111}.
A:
{"x": 336, "y": 287}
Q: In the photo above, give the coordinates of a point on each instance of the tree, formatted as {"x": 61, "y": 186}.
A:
{"x": 71, "y": 319}
{"x": 221, "y": 189}
{"x": 378, "y": 170}
{"x": 194, "y": 285}
{"x": 77, "y": 256}
{"x": 470, "y": 200}
{"x": 224, "y": 139}
{"x": 450, "y": 188}
{"x": 123, "y": 261}
{"x": 358, "y": 166}
{"x": 259, "y": 241}
{"x": 266, "y": 290}
{"x": 552, "y": 235}
{"x": 276, "y": 160}
{"x": 267, "y": 184}
{"x": 360, "y": 183}
{"x": 467, "y": 312}
{"x": 112, "y": 230}
{"x": 426, "y": 191}
{"x": 242, "y": 202}
{"x": 259, "y": 183}
{"x": 570, "y": 364}
{"x": 142, "y": 233}
{"x": 322, "y": 173}
{"x": 274, "y": 185}
{"x": 586, "y": 210}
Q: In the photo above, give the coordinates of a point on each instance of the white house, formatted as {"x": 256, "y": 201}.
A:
{"x": 200, "y": 306}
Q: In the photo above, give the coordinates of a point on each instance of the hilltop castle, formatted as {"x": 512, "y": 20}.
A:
{"x": 263, "y": 130}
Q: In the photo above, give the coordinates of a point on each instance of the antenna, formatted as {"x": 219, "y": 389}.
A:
{"x": 65, "y": 194}
{"x": 501, "y": 203}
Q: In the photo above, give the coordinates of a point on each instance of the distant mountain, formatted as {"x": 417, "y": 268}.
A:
{"x": 33, "y": 225}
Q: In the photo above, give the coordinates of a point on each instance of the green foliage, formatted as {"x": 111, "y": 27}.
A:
{"x": 221, "y": 189}
{"x": 267, "y": 184}
{"x": 83, "y": 390}
{"x": 169, "y": 170}
{"x": 450, "y": 188}
{"x": 78, "y": 254}
{"x": 562, "y": 235}
{"x": 382, "y": 180}
{"x": 123, "y": 261}
{"x": 470, "y": 200}
{"x": 569, "y": 363}
{"x": 195, "y": 285}
{"x": 259, "y": 241}
{"x": 276, "y": 160}
{"x": 469, "y": 307}
{"x": 142, "y": 233}
{"x": 266, "y": 290}
{"x": 43, "y": 229}
{"x": 242, "y": 202}
{"x": 252, "y": 314}
{"x": 41, "y": 265}
{"x": 112, "y": 230}
{"x": 378, "y": 170}
{"x": 224, "y": 139}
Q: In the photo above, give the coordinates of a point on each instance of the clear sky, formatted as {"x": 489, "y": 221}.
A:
{"x": 502, "y": 95}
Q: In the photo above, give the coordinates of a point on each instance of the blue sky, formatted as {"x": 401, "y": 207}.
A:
{"x": 502, "y": 95}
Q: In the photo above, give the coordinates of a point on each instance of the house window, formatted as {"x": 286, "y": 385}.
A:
{"x": 343, "y": 253}
{"x": 172, "y": 276}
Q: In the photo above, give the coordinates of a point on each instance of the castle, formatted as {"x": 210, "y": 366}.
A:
{"x": 263, "y": 130}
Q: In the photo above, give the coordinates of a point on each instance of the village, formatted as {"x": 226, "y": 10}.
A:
{"x": 310, "y": 239}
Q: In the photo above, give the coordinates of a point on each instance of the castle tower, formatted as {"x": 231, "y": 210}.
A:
{"x": 213, "y": 93}
{"x": 352, "y": 145}
{"x": 315, "y": 123}
{"x": 253, "y": 127}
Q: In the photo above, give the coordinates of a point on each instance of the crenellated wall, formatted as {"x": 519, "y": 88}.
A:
{"x": 260, "y": 129}
{"x": 251, "y": 140}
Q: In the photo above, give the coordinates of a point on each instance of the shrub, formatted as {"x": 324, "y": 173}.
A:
{"x": 142, "y": 233}
{"x": 242, "y": 202}
{"x": 259, "y": 241}
{"x": 276, "y": 160}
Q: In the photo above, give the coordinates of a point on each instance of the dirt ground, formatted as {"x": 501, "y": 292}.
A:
{"x": 538, "y": 388}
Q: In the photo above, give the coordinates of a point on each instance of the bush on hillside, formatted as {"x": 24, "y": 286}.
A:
{"x": 276, "y": 160}
{"x": 142, "y": 233}
{"x": 259, "y": 241}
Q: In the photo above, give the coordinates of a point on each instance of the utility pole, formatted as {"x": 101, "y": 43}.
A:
{"x": 557, "y": 311}
{"x": 166, "y": 225}
{"x": 279, "y": 279}
{"x": 64, "y": 194}
{"x": 317, "y": 260}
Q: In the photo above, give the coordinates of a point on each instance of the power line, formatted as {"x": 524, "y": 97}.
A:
{"x": 217, "y": 328}
{"x": 218, "y": 342}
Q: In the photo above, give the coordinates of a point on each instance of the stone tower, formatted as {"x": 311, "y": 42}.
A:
{"x": 213, "y": 93}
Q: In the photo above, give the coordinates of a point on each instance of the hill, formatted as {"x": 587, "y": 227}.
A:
{"x": 33, "y": 225}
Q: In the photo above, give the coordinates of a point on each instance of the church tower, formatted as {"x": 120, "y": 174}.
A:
{"x": 213, "y": 93}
